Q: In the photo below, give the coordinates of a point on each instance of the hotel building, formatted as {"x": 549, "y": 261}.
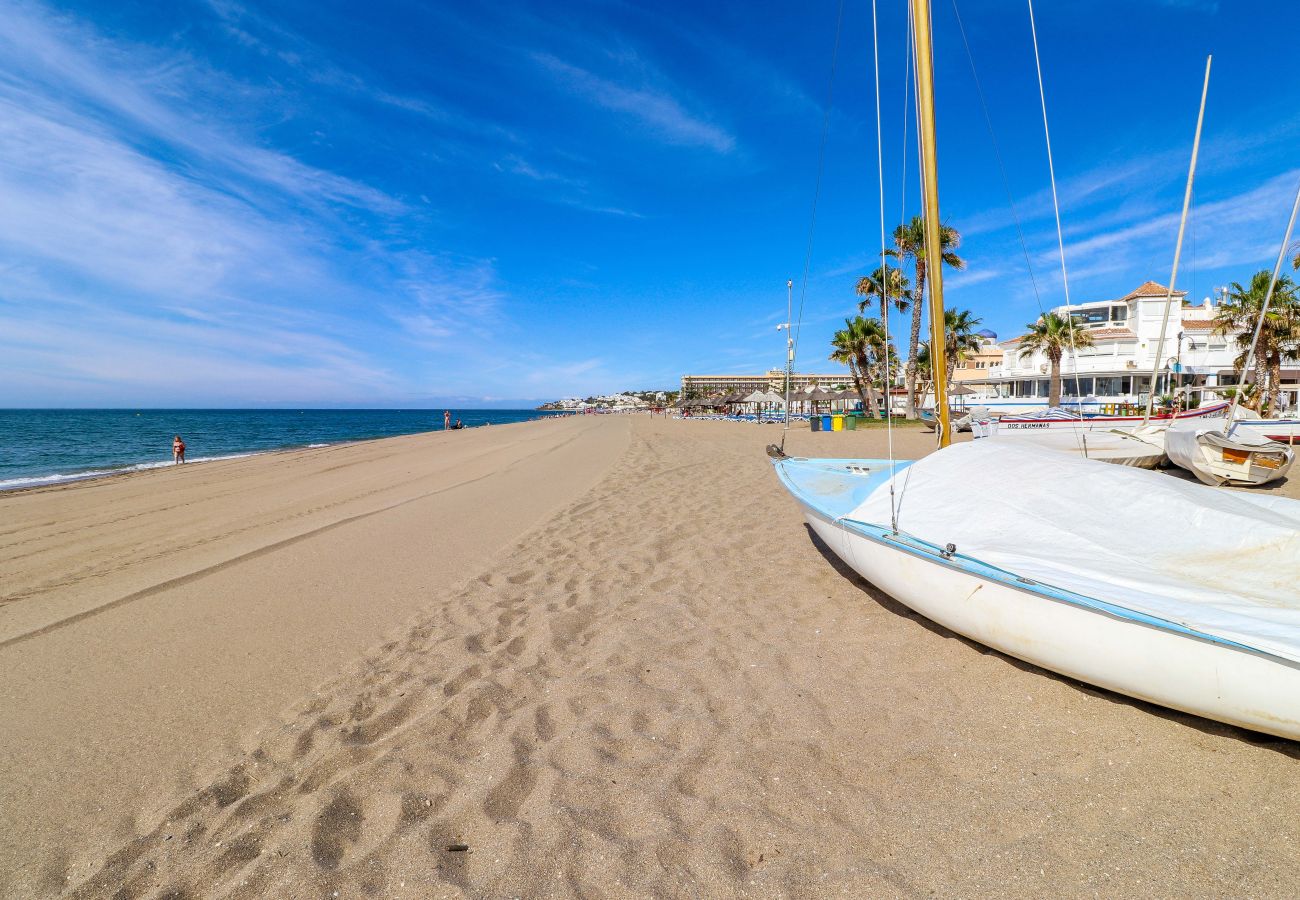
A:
{"x": 772, "y": 380}
{"x": 1116, "y": 369}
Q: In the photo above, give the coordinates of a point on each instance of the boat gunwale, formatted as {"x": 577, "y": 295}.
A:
{"x": 977, "y": 568}
{"x": 1202, "y": 412}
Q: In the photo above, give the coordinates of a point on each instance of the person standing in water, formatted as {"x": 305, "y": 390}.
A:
{"x": 446, "y": 419}
{"x": 178, "y": 450}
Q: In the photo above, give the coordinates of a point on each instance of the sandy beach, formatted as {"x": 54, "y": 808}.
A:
{"x": 598, "y": 657}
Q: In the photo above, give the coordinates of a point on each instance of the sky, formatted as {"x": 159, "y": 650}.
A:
{"x": 401, "y": 204}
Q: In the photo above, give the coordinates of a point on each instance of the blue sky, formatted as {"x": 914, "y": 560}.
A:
{"x": 220, "y": 203}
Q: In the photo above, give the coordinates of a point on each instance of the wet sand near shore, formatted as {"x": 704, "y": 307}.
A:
{"x": 666, "y": 688}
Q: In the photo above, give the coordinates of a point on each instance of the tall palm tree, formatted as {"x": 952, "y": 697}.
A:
{"x": 1053, "y": 335}
{"x": 960, "y": 338}
{"x": 909, "y": 245}
{"x": 923, "y": 372}
{"x": 874, "y": 285}
{"x": 1279, "y": 337}
{"x": 861, "y": 345}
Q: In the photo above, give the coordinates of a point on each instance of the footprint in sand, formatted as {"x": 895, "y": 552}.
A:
{"x": 336, "y": 828}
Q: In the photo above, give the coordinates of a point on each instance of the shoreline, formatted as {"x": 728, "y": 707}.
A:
{"x": 59, "y": 479}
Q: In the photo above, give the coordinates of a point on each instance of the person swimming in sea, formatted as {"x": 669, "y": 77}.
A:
{"x": 178, "y": 450}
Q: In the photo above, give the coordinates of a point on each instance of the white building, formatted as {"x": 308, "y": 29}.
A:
{"x": 1116, "y": 370}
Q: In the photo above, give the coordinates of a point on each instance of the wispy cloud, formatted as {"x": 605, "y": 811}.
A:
{"x": 658, "y": 110}
{"x": 152, "y": 242}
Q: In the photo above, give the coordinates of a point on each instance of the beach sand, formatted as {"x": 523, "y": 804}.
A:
{"x": 634, "y": 673}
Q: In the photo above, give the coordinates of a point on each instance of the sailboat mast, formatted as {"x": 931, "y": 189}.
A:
{"x": 930, "y": 192}
{"x": 1178, "y": 251}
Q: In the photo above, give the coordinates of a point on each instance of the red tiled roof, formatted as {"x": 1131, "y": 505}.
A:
{"x": 1151, "y": 289}
{"x": 1112, "y": 333}
{"x": 1198, "y": 324}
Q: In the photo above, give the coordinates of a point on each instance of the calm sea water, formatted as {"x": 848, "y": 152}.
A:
{"x": 44, "y": 446}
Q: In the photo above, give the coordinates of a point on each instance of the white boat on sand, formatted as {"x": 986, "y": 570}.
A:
{"x": 1203, "y": 618}
{"x": 1142, "y": 449}
{"x": 1221, "y": 455}
{"x": 1154, "y": 587}
{"x": 1063, "y": 420}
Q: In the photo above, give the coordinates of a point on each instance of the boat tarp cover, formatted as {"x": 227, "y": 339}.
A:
{"x": 1225, "y": 563}
{"x": 1183, "y": 440}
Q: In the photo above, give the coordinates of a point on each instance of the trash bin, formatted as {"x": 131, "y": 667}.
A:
{"x": 826, "y": 423}
{"x": 850, "y": 423}
{"x": 837, "y": 423}
{"x": 815, "y": 422}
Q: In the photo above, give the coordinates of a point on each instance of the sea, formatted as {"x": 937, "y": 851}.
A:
{"x": 49, "y": 446}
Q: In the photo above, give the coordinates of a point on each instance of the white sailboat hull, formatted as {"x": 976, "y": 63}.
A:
{"x": 1148, "y": 586}
{"x": 1142, "y": 448}
{"x": 1208, "y": 679}
{"x": 1009, "y": 426}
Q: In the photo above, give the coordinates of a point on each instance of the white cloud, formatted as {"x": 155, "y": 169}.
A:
{"x": 151, "y": 242}
{"x": 659, "y": 111}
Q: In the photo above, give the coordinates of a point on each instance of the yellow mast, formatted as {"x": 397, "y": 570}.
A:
{"x": 930, "y": 190}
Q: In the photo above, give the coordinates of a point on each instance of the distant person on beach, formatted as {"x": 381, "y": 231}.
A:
{"x": 458, "y": 426}
{"x": 178, "y": 450}
{"x": 446, "y": 419}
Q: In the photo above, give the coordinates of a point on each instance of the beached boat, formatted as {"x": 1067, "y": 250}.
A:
{"x": 1221, "y": 454}
{"x": 1153, "y": 587}
{"x": 1057, "y": 419}
{"x": 1165, "y": 590}
{"x": 1143, "y": 448}
{"x": 1283, "y": 430}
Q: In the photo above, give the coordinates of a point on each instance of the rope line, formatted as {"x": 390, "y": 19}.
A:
{"x": 817, "y": 187}
{"x": 884, "y": 268}
{"x": 997, "y": 153}
{"x": 1259, "y": 326}
{"x": 1056, "y": 208}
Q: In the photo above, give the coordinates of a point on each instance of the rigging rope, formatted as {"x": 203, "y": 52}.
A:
{"x": 1060, "y": 238}
{"x": 908, "y": 68}
{"x": 821, "y": 164}
{"x": 884, "y": 268}
{"x": 1259, "y": 326}
{"x": 997, "y": 153}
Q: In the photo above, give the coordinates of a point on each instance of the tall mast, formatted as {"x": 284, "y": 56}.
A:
{"x": 930, "y": 191}
{"x": 1178, "y": 251}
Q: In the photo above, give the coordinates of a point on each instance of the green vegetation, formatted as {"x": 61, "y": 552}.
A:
{"x": 863, "y": 346}
{"x": 1053, "y": 335}
{"x": 909, "y": 246}
{"x": 1279, "y": 335}
{"x": 960, "y": 338}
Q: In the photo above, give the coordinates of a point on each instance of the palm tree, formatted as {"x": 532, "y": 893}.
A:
{"x": 874, "y": 285}
{"x": 909, "y": 244}
{"x": 861, "y": 345}
{"x": 959, "y": 336}
{"x": 1279, "y": 336}
{"x": 923, "y": 372}
{"x": 1053, "y": 335}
